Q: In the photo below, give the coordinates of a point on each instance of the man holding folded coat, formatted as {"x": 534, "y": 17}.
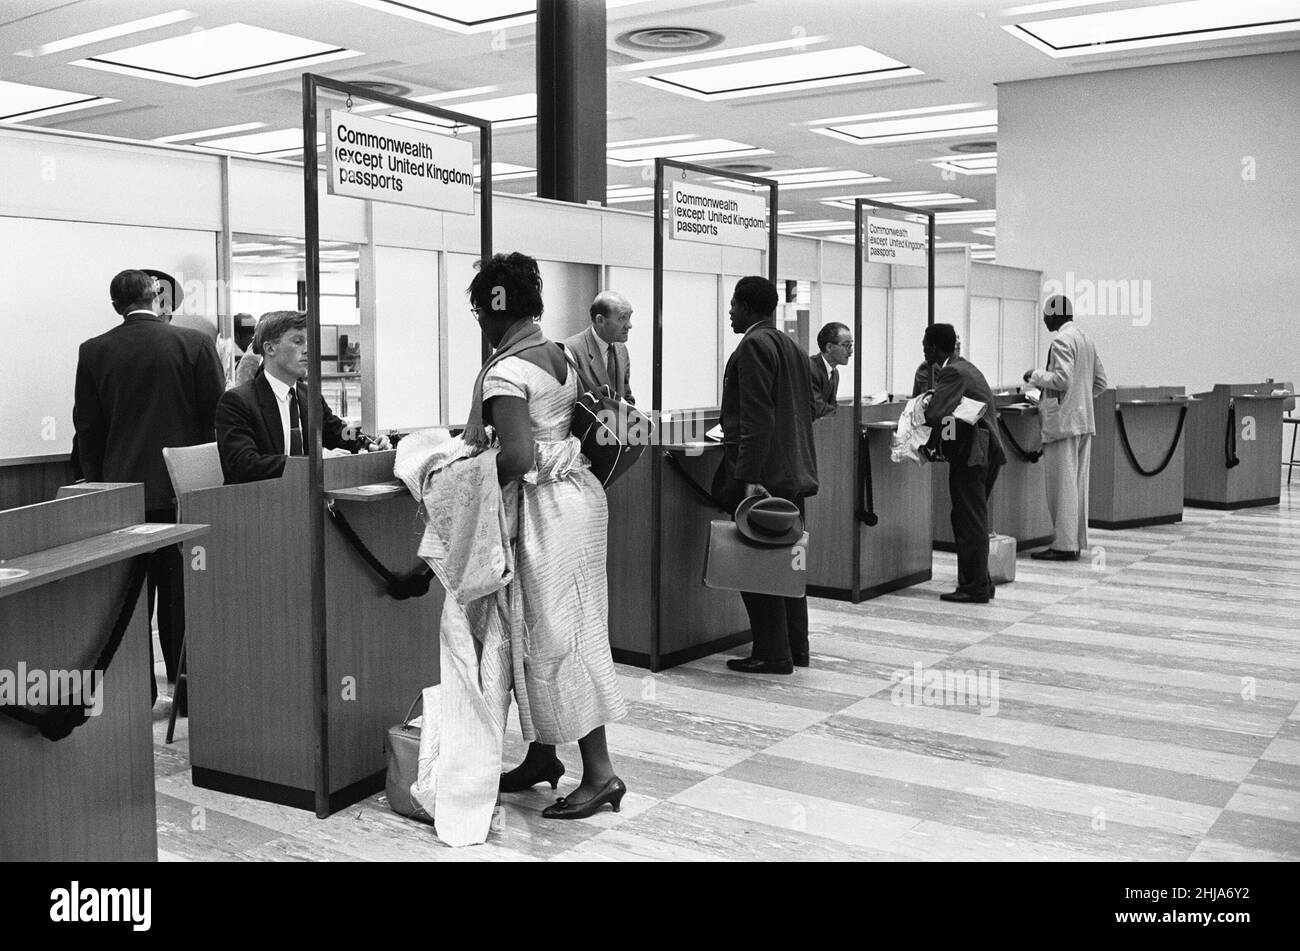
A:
{"x": 974, "y": 454}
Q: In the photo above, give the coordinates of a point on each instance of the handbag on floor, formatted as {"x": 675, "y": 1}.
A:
{"x": 1002, "y": 558}
{"x": 402, "y": 751}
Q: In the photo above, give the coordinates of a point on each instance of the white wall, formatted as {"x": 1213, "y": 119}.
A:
{"x": 1145, "y": 175}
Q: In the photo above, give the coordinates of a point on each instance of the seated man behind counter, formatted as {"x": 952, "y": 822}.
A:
{"x": 259, "y": 422}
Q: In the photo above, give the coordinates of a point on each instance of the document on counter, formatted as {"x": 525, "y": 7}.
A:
{"x": 715, "y": 433}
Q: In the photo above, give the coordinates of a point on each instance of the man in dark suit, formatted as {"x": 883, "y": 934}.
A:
{"x": 141, "y": 386}
{"x": 834, "y": 348}
{"x": 974, "y": 455}
{"x": 261, "y": 422}
{"x": 601, "y": 349}
{"x": 767, "y": 441}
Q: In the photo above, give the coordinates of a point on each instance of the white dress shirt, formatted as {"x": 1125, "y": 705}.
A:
{"x": 281, "y": 392}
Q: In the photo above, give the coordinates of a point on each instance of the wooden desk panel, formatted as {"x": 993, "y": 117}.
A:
{"x": 1119, "y": 496}
{"x": 627, "y": 559}
{"x": 831, "y": 512}
{"x": 896, "y": 551}
{"x": 1257, "y": 479}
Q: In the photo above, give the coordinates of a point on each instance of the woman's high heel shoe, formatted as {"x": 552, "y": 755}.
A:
{"x": 612, "y": 792}
{"x": 520, "y": 779}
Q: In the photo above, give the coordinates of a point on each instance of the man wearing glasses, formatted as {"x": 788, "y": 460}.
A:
{"x": 835, "y": 348}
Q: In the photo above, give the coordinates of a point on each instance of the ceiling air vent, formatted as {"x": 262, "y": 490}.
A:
{"x": 743, "y": 168}
{"x": 661, "y": 39}
{"x": 974, "y": 147}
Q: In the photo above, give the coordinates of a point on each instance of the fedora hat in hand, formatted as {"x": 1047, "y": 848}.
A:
{"x": 768, "y": 520}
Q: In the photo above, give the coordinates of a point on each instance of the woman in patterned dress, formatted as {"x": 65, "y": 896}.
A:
{"x": 564, "y": 679}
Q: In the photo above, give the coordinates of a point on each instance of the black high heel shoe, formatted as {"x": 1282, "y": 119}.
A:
{"x": 518, "y": 780}
{"x": 612, "y": 792}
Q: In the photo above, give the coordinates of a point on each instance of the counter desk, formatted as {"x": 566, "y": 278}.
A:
{"x": 660, "y": 612}
{"x": 1018, "y": 503}
{"x": 1235, "y": 437}
{"x": 848, "y": 558}
{"x": 69, "y": 569}
{"x": 1138, "y": 457}
{"x": 261, "y": 724}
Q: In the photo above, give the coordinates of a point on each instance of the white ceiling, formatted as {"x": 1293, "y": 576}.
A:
{"x": 959, "y": 46}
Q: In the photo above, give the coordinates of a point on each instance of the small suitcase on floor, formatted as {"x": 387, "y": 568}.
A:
{"x": 1002, "y": 558}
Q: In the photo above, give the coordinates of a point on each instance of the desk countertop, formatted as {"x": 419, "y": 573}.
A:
{"x": 54, "y": 564}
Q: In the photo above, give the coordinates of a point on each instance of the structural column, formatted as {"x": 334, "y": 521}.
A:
{"x": 571, "y": 100}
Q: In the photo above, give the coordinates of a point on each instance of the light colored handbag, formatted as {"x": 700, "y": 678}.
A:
{"x": 402, "y": 750}
{"x": 1002, "y": 558}
{"x": 734, "y": 563}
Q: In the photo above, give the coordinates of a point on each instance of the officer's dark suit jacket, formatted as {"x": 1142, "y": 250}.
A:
{"x": 250, "y": 436}
{"x": 141, "y": 386}
{"x": 767, "y": 414}
{"x": 823, "y": 398}
{"x": 980, "y": 445}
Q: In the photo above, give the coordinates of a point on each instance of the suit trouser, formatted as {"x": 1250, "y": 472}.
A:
{"x": 1067, "y": 461}
{"x": 970, "y": 487}
{"x": 780, "y": 625}
{"x": 166, "y": 572}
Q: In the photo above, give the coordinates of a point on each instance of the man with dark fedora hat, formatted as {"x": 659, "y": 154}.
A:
{"x": 767, "y": 441}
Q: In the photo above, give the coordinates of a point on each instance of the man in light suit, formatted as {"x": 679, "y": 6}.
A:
{"x": 261, "y": 422}
{"x": 834, "y": 348}
{"x": 601, "y": 349}
{"x": 1073, "y": 379}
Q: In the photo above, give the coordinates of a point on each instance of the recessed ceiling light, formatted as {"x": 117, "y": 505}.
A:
{"x": 457, "y": 15}
{"x": 220, "y": 130}
{"x": 626, "y": 194}
{"x": 506, "y": 112}
{"x": 20, "y": 102}
{"x": 280, "y": 141}
{"x": 896, "y": 113}
{"x": 1048, "y": 7}
{"x": 1166, "y": 24}
{"x": 914, "y": 199}
{"x": 915, "y": 128}
{"x": 800, "y": 42}
{"x": 986, "y": 232}
{"x": 780, "y": 74}
{"x": 817, "y": 226}
{"x": 966, "y": 217}
{"x": 505, "y": 172}
{"x": 109, "y": 33}
{"x": 978, "y": 163}
{"x": 699, "y": 149}
{"x": 801, "y": 179}
{"x": 218, "y": 55}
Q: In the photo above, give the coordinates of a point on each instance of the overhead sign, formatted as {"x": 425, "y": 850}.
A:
{"x": 382, "y": 161}
{"x": 896, "y": 242}
{"x": 714, "y": 216}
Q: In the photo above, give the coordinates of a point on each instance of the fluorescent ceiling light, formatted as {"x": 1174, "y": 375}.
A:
{"x": 986, "y": 232}
{"x": 431, "y": 97}
{"x": 219, "y": 55}
{"x": 698, "y": 149}
{"x": 109, "y": 33}
{"x": 924, "y": 110}
{"x": 915, "y": 128}
{"x": 808, "y": 178}
{"x": 1049, "y": 7}
{"x": 905, "y": 199}
{"x": 780, "y": 74}
{"x": 812, "y": 226}
{"x": 220, "y": 130}
{"x": 284, "y": 141}
{"x": 983, "y": 163}
{"x": 504, "y": 171}
{"x": 965, "y": 217}
{"x": 20, "y": 102}
{"x": 623, "y": 194}
{"x": 457, "y": 15}
{"x": 628, "y": 143}
{"x": 505, "y": 112}
{"x": 796, "y": 43}
{"x": 1167, "y": 24}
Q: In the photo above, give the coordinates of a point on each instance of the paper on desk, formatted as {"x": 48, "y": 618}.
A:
{"x": 969, "y": 410}
{"x": 876, "y": 398}
{"x": 715, "y": 433}
{"x": 147, "y": 528}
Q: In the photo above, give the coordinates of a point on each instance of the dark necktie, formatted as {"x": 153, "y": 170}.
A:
{"x": 611, "y": 368}
{"x": 295, "y": 424}
{"x": 835, "y": 384}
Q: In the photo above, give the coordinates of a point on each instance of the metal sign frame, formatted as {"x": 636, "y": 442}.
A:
{"x": 311, "y": 84}
{"x": 859, "y": 262}
{"x": 656, "y": 471}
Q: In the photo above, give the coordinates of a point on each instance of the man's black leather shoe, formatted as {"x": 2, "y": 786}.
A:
{"x": 755, "y": 665}
{"x": 800, "y": 660}
{"x": 964, "y": 597}
{"x": 1051, "y": 554}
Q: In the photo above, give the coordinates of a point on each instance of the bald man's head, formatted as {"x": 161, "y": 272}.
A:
{"x": 611, "y": 317}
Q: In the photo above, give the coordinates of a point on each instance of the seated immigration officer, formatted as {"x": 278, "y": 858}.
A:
{"x": 261, "y": 422}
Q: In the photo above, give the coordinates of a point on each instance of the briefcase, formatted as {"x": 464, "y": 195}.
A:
{"x": 733, "y": 563}
{"x": 1002, "y": 558}
{"x": 402, "y": 751}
